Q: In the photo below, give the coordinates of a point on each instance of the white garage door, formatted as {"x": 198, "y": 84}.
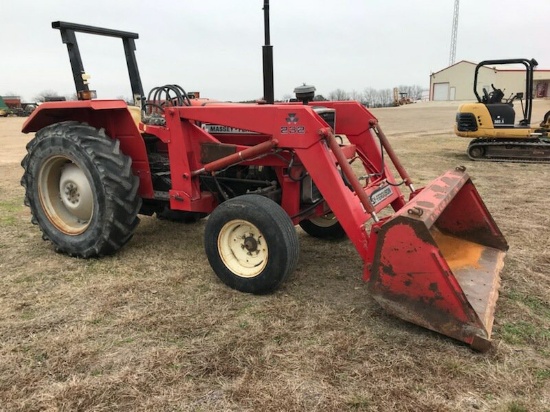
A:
{"x": 441, "y": 91}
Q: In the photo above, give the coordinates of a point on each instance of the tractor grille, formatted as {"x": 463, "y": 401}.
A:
{"x": 466, "y": 122}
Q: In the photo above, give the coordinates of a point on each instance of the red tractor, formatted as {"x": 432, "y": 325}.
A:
{"x": 256, "y": 171}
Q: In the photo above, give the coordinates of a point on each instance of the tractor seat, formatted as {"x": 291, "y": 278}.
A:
{"x": 135, "y": 112}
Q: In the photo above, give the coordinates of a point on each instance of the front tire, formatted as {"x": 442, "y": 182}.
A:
{"x": 324, "y": 227}
{"x": 251, "y": 244}
{"x": 80, "y": 189}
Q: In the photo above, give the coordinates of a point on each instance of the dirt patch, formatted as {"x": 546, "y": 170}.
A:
{"x": 152, "y": 329}
{"x": 12, "y": 141}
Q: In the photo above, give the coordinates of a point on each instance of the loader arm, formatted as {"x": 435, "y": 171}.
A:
{"x": 298, "y": 129}
{"x": 435, "y": 262}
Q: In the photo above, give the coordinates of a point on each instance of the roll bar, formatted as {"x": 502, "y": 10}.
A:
{"x": 68, "y": 37}
{"x": 529, "y": 68}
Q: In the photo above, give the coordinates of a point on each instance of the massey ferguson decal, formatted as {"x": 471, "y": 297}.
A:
{"x": 218, "y": 128}
{"x": 292, "y": 119}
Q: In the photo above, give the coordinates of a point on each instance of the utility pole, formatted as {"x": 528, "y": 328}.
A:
{"x": 452, "y": 54}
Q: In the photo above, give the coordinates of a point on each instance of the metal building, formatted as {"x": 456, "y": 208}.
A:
{"x": 456, "y": 81}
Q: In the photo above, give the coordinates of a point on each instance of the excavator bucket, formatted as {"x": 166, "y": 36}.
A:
{"x": 437, "y": 261}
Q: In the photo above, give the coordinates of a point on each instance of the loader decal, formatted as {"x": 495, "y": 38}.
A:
{"x": 293, "y": 130}
{"x": 380, "y": 194}
{"x": 218, "y": 128}
{"x": 292, "y": 118}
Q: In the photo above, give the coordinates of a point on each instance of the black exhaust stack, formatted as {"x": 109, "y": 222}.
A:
{"x": 267, "y": 54}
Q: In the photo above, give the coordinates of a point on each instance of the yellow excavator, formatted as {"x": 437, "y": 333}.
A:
{"x": 490, "y": 122}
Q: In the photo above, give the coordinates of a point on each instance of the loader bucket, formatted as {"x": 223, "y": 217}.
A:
{"x": 437, "y": 261}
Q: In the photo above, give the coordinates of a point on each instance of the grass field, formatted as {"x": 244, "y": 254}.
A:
{"x": 152, "y": 329}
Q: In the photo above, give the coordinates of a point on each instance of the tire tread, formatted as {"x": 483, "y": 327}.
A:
{"x": 114, "y": 168}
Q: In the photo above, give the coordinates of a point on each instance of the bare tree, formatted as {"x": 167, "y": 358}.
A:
{"x": 413, "y": 92}
{"x": 386, "y": 97}
{"x": 372, "y": 97}
{"x": 355, "y": 95}
{"x": 369, "y": 97}
{"x": 338, "y": 95}
{"x": 381, "y": 97}
{"x": 41, "y": 97}
{"x": 129, "y": 101}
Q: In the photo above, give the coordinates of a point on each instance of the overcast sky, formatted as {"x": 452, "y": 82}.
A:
{"x": 214, "y": 46}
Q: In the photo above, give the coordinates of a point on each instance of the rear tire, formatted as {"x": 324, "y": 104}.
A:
{"x": 323, "y": 227}
{"x": 80, "y": 189}
{"x": 251, "y": 244}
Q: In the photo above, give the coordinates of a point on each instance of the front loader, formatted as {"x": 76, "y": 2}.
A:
{"x": 432, "y": 256}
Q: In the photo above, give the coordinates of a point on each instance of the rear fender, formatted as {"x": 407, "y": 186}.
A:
{"x": 112, "y": 115}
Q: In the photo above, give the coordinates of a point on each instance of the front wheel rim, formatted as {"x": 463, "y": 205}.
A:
{"x": 243, "y": 248}
{"x": 66, "y": 195}
{"x": 327, "y": 220}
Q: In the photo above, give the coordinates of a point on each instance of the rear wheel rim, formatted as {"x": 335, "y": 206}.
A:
{"x": 66, "y": 195}
{"x": 243, "y": 248}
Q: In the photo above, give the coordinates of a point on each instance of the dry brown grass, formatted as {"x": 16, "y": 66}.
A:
{"x": 152, "y": 329}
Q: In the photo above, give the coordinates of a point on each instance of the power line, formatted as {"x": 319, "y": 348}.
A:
{"x": 452, "y": 54}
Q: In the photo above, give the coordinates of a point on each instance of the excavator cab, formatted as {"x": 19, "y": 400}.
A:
{"x": 494, "y": 97}
{"x": 499, "y": 132}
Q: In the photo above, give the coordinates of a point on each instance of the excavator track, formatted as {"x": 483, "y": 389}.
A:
{"x": 534, "y": 150}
